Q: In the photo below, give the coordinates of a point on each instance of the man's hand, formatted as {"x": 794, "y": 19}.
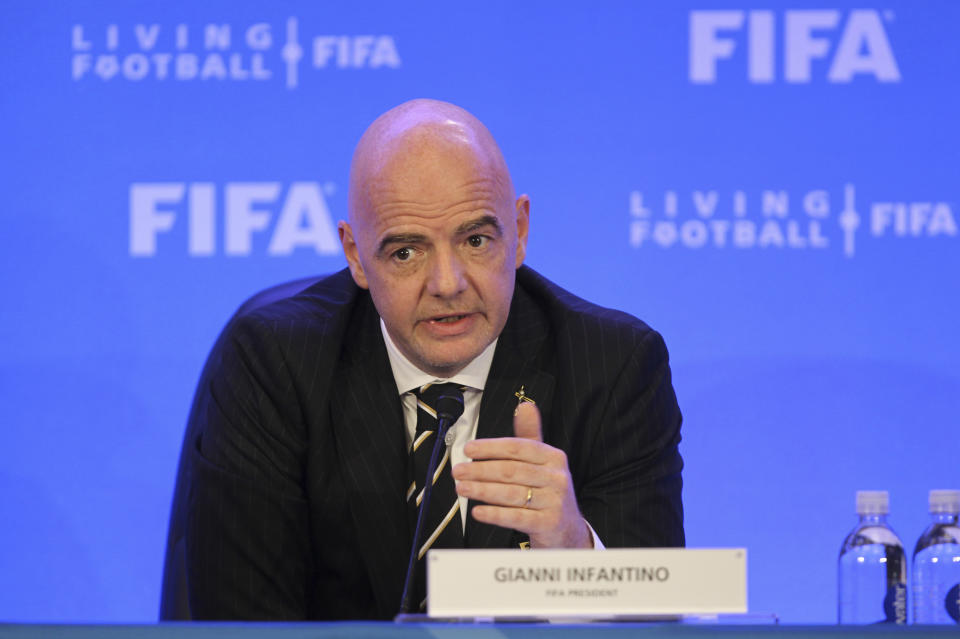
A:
{"x": 509, "y": 470}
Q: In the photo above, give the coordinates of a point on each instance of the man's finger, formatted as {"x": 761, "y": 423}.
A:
{"x": 526, "y": 450}
{"x": 508, "y": 495}
{"x": 503, "y": 471}
{"x": 526, "y": 422}
{"x": 522, "y": 519}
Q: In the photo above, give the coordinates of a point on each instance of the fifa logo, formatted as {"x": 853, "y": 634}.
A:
{"x": 293, "y": 218}
{"x": 847, "y": 47}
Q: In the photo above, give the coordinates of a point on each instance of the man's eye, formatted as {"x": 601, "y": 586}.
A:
{"x": 478, "y": 241}
{"x": 403, "y": 254}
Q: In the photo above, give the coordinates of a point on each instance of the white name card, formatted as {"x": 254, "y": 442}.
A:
{"x": 620, "y": 582}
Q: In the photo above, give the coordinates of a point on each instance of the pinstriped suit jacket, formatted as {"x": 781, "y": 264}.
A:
{"x": 295, "y": 507}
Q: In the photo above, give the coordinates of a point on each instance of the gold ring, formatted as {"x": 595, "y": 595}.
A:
{"x": 526, "y": 504}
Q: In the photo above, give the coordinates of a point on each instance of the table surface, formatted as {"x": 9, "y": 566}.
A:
{"x": 386, "y": 630}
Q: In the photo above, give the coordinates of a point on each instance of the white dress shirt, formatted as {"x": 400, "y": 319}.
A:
{"x": 474, "y": 377}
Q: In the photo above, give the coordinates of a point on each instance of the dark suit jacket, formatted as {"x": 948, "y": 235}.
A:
{"x": 295, "y": 506}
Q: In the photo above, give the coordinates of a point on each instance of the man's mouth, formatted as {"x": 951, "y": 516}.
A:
{"x": 452, "y": 325}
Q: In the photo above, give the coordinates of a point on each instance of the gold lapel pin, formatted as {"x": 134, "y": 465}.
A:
{"x": 523, "y": 397}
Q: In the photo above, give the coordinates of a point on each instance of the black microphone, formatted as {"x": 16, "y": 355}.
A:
{"x": 449, "y": 407}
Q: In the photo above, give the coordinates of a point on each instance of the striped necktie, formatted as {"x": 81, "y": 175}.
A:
{"x": 442, "y": 527}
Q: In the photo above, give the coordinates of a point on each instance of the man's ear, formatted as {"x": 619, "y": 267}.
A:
{"x": 523, "y": 227}
{"x": 352, "y": 254}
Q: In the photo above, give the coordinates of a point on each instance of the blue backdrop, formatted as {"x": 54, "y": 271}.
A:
{"x": 774, "y": 187}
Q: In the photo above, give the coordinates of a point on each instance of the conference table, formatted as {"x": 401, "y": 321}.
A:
{"x": 387, "y": 630}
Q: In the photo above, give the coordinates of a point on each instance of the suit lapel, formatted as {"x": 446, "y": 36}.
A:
{"x": 368, "y": 426}
{"x": 519, "y": 360}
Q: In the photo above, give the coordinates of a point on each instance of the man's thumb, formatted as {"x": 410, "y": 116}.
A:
{"x": 526, "y": 422}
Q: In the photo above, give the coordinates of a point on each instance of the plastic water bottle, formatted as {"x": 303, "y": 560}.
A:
{"x": 936, "y": 563}
{"x": 872, "y": 566}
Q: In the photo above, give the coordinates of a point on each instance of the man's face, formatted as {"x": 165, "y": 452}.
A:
{"x": 437, "y": 238}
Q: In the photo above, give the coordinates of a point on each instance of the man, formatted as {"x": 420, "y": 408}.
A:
{"x": 299, "y": 466}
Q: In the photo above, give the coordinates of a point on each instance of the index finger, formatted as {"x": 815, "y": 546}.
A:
{"x": 515, "y": 448}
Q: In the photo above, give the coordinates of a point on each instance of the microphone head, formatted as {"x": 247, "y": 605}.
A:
{"x": 449, "y": 404}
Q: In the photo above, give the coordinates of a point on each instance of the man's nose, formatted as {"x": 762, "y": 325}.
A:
{"x": 447, "y": 277}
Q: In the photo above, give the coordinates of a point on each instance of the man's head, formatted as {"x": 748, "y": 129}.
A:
{"x": 435, "y": 232}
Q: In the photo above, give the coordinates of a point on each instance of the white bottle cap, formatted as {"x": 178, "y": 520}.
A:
{"x": 873, "y": 502}
{"x": 945, "y": 501}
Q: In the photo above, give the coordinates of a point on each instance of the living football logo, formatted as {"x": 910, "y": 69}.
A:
{"x": 817, "y": 219}
{"x": 224, "y": 52}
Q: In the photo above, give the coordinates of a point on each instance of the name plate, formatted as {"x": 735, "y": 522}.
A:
{"x": 618, "y": 582}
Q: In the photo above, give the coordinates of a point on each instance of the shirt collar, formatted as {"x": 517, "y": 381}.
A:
{"x": 408, "y": 377}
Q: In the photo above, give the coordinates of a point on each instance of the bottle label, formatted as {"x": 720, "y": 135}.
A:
{"x": 953, "y": 603}
{"x": 895, "y": 603}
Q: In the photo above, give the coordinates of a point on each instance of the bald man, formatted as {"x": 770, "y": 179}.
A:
{"x": 298, "y": 468}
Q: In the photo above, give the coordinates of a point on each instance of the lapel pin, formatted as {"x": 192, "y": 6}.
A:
{"x": 523, "y": 397}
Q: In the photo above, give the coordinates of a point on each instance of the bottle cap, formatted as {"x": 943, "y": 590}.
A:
{"x": 873, "y": 502}
{"x": 945, "y": 501}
